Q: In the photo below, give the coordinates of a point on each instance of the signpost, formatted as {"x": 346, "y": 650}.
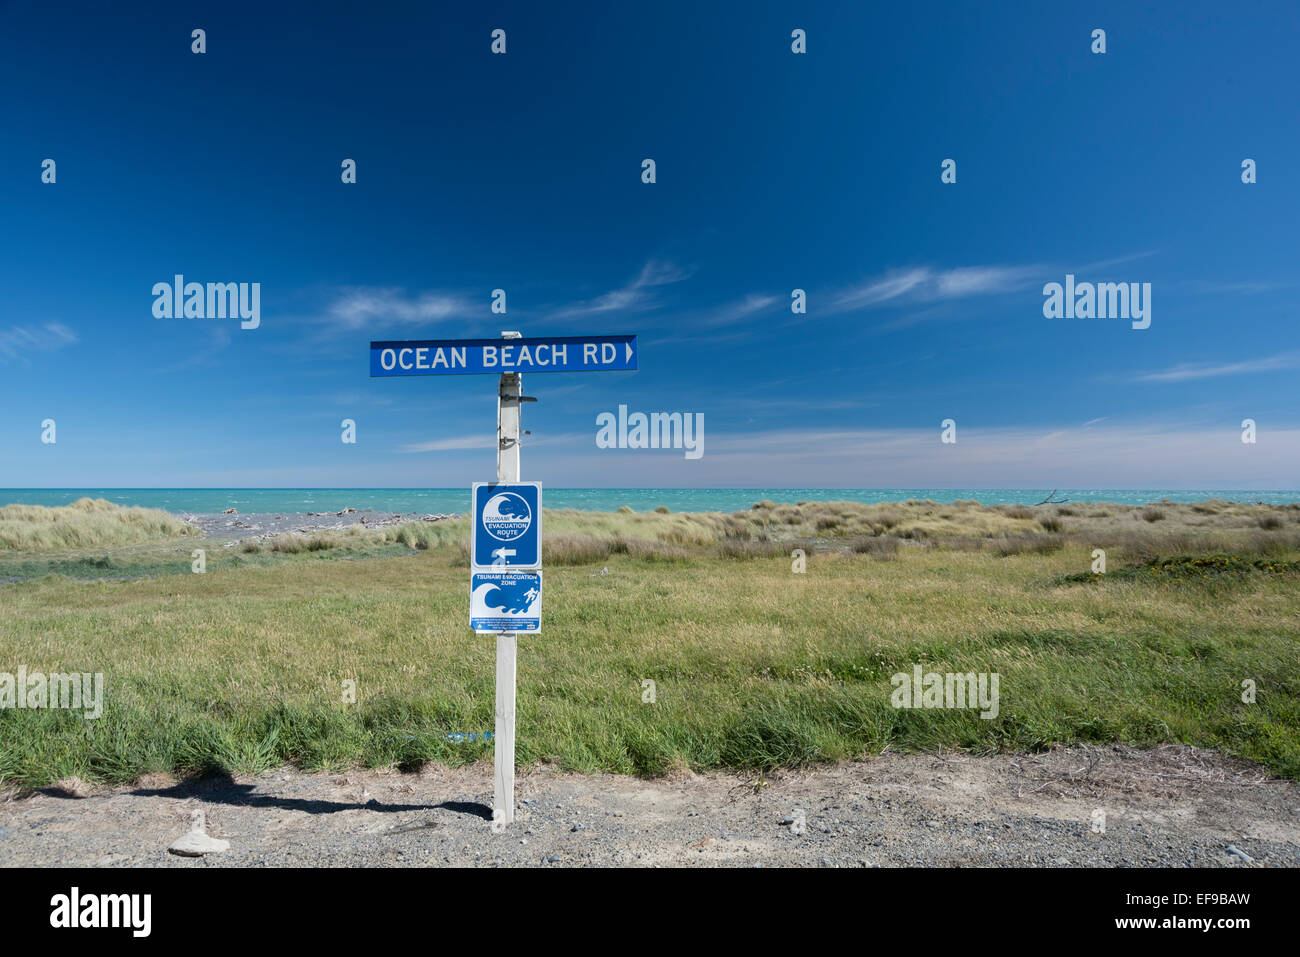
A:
{"x": 506, "y": 541}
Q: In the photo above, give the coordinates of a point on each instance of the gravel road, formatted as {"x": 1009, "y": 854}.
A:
{"x": 1168, "y": 806}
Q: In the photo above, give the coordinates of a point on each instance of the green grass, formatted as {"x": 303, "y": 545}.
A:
{"x": 242, "y": 668}
{"x": 1212, "y": 567}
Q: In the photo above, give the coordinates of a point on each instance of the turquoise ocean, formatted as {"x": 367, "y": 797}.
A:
{"x": 449, "y": 500}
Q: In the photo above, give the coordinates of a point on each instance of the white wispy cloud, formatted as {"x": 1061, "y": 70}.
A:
{"x": 488, "y": 441}
{"x": 740, "y": 310}
{"x": 18, "y": 341}
{"x": 926, "y": 284}
{"x": 368, "y": 307}
{"x": 930, "y": 285}
{"x": 879, "y": 290}
{"x": 1153, "y": 455}
{"x": 1187, "y": 371}
{"x": 1116, "y": 261}
{"x": 1156, "y": 455}
{"x": 635, "y": 295}
{"x": 982, "y": 280}
{"x": 480, "y": 441}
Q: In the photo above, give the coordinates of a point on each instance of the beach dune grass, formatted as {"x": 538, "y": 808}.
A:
{"x": 91, "y": 523}
{"x": 85, "y": 523}
{"x": 754, "y": 667}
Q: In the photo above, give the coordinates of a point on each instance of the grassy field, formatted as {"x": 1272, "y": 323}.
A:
{"x": 755, "y": 667}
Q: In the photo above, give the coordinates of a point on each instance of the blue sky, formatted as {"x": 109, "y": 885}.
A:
{"x": 775, "y": 171}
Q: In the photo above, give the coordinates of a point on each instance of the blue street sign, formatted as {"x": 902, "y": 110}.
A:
{"x": 505, "y": 601}
{"x": 507, "y": 525}
{"x": 494, "y": 356}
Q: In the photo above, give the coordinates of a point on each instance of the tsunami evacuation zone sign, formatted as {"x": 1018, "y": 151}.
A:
{"x": 506, "y": 601}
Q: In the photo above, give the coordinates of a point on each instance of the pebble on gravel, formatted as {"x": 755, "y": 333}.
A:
{"x": 196, "y": 843}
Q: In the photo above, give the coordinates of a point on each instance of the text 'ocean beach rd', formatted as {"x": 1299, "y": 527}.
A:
{"x": 495, "y": 356}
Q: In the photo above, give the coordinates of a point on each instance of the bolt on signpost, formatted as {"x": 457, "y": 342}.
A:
{"x": 505, "y": 536}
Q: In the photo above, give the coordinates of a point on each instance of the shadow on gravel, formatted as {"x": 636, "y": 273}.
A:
{"x": 466, "y": 807}
{"x": 223, "y": 789}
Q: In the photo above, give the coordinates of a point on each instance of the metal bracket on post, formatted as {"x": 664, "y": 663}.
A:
{"x": 503, "y": 791}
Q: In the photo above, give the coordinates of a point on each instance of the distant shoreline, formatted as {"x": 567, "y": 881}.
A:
{"x": 231, "y": 527}
{"x": 445, "y": 501}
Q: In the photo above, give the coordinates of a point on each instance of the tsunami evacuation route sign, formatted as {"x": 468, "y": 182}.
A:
{"x": 507, "y": 525}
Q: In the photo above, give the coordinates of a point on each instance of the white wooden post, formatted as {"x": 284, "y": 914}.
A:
{"x": 503, "y": 801}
